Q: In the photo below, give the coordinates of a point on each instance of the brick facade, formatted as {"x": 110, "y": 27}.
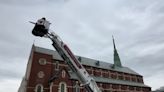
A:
{"x": 44, "y": 66}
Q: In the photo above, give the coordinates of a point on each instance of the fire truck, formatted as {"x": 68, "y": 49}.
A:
{"x": 41, "y": 29}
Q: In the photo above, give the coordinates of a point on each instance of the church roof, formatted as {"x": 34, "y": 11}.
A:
{"x": 109, "y": 80}
{"x": 87, "y": 61}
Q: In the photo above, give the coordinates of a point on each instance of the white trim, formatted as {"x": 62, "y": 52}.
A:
{"x": 63, "y": 73}
{"x": 40, "y": 74}
{"x": 36, "y": 87}
{"x": 42, "y": 61}
{"x": 29, "y": 64}
{"x": 76, "y": 87}
{"x": 65, "y": 87}
{"x": 51, "y": 86}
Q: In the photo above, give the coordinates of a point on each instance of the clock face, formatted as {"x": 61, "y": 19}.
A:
{"x": 41, "y": 74}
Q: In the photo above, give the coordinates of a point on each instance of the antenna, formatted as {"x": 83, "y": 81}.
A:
{"x": 32, "y": 22}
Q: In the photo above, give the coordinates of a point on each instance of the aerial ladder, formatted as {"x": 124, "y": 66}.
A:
{"x": 41, "y": 29}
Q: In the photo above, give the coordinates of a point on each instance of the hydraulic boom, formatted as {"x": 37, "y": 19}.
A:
{"x": 85, "y": 79}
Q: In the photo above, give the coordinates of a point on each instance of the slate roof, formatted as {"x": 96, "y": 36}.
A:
{"x": 109, "y": 80}
{"x": 87, "y": 61}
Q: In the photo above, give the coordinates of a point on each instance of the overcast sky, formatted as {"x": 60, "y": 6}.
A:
{"x": 87, "y": 27}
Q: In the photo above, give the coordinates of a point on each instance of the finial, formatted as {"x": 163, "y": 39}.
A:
{"x": 114, "y": 43}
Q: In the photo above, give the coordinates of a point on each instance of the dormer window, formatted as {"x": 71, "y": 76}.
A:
{"x": 97, "y": 63}
{"x": 79, "y": 59}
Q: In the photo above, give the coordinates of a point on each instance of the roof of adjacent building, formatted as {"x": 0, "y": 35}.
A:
{"x": 87, "y": 61}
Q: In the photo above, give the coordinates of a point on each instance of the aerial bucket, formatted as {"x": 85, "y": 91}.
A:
{"x": 41, "y": 27}
{"x": 39, "y": 30}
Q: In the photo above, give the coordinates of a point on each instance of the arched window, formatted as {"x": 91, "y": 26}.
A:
{"x": 76, "y": 87}
{"x": 63, "y": 74}
{"x": 62, "y": 87}
{"x": 39, "y": 88}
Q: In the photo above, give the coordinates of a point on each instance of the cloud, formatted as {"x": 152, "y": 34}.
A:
{"x": 86, "y": 27}
{"x": 9, "y": 84}
{"x": 156, "y": 83}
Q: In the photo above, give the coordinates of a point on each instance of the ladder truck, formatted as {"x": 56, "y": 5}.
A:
{"x": 41, "y": 29}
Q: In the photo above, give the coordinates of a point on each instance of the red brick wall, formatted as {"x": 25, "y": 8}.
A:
{"x": 36, "y": 67}
{"x": 49, "y": 71}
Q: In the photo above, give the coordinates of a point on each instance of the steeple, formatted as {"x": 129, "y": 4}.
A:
{"x": 117, "y": 62}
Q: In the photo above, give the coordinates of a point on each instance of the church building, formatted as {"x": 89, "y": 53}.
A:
{"x": 47, "y": 72}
